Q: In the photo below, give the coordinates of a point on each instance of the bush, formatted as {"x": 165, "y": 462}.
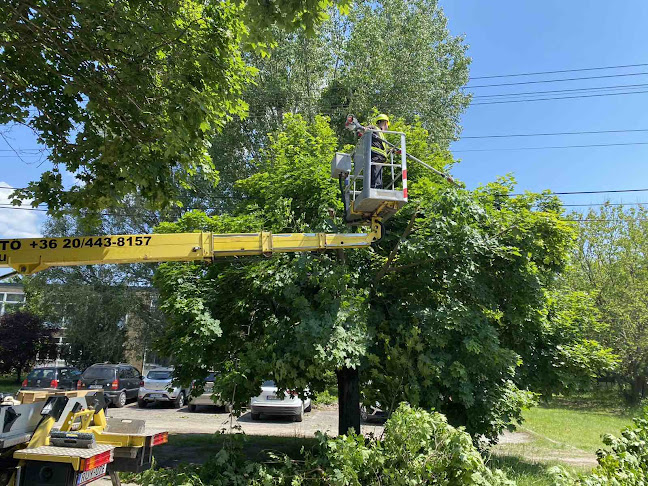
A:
{"x": 624, "y": 464}
{"x": 418, "y": 448}
{"x": 325, "y": 398}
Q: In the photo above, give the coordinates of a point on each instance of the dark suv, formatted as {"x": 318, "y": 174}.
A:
{"x": 60, "y": 377}
{"x": 119, "y": 382}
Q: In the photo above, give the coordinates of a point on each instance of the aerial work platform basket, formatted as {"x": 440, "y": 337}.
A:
{"x": 362, "y": 202}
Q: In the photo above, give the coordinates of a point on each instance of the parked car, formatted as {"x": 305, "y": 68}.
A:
{"x": 206, "y": 397}
{"x": 119, "y": 382}
{"x": 59, "y": 377}
{"x": 271, "y": 402}
{"x": 157, "y": 387}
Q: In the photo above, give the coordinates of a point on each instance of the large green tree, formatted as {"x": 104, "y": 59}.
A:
{"x": 127, "y": 95}
{"x": 399, "y": 57}
{"x": 438, "y": 313}
{"x": 609, "y": 262}
{"x": 393, "y": 56}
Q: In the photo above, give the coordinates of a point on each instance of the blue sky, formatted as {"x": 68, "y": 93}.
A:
{"x": 509, "y": 37}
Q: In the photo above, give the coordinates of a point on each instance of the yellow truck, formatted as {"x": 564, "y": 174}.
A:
{"x": 85, "y": 447}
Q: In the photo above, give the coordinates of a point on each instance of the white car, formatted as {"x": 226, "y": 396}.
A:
{"x": 157, "y": 387}
{"x": 271, "y": 402}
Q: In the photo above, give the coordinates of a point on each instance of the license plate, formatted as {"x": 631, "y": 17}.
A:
{"x": 96, "y": 387}
{"x": 272, "y": 397}
{"x": 156, "y": 395}
{"x": 88, "y": 476}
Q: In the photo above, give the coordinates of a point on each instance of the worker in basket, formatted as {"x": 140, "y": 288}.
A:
{"x": 378, "y": 150}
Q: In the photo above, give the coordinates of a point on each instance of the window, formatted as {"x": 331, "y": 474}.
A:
{"x": 160, "y": 375}
{"x": 99, "y": 372}
{"x": 123, "y": 373}
{"x": 42, "y": 374}
{"x": 10, "y": 300}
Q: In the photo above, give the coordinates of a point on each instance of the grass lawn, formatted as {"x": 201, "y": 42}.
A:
{"x": 8, "y": 384}
{"x": 203, "y": 446}
{"x": 524, "y": 473}
{"x": 567, "y": 431}
{"x": 577, "y": 428}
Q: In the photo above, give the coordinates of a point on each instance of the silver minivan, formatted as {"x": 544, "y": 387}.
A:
{"x": 157, "y": 386}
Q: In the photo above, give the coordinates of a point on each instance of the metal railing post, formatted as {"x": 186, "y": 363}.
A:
{"x": 403, "y": 165}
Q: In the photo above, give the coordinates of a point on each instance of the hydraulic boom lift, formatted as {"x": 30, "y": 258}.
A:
{"x": 364, "y": 206}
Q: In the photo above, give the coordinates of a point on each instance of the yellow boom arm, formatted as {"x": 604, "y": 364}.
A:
{"x": 31, "y": 255}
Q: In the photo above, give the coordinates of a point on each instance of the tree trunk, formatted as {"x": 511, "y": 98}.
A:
{"x": 348, "y": 400}
{"x": 19, "y": 373}
{"x": 634, "y": 389}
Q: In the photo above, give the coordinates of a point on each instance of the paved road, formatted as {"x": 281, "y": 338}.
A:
{"x": 209, "y": 420}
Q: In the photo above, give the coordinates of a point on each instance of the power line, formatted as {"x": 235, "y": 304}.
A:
{"x": 23, "y": 209}
{"x": 557, "y": 98}
{"x": 12, "y": 148}
{"x": 557, "y": 193}
{"x": 571, "y": 90}
{"x": 25, "y": 151}
{"x": 508, "y": 149}
{"x": 515, "y": 135}
{"x": 605, "y": 204}
{"x": 585, "y": 132}
{"x": 590, "y": 220}
{"x": 557, "y": 80}
{"x": 567, "y": 193}
{"x": 558, "y": 72}
{"x": 261, "y": 115}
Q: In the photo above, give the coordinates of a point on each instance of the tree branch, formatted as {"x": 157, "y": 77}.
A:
{"x": 392, "y": 254}
{"x": 410, "y": 265}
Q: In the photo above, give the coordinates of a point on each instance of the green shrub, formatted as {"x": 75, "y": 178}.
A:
{"x": 325, "y": 398}
{"x": 625, "y": 463}
{"x": 419, "y": 447}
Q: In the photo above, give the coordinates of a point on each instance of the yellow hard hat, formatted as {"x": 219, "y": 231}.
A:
{"x": 382, "y": 117}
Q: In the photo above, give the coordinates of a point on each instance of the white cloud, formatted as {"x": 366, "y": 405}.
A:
{"x": 18, "y": 223}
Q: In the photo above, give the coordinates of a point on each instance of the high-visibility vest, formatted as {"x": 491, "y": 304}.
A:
{"x": 377, "y": 144}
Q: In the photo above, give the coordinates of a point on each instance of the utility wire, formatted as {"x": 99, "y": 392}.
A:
{"x": 23, "y": 209}
{"x": 512, "y": 135}
{"x": 518, "y": 135}
{"x": 585, "y": 132}
{"x": 605, "y": 76}
{"x": 569, "y": 193}
{"x": 558, "y": 98}
{"x": 557, "y": 193}
{"x": 12, "y": 148}
{"x": 588, "y": 220}
{"x": 571, "y": 90}
{"x": 606, "y": 204}
{"x": 25, "y": 151}
{"x": 558, "y": 72}
{"x": 508, "y": 149}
